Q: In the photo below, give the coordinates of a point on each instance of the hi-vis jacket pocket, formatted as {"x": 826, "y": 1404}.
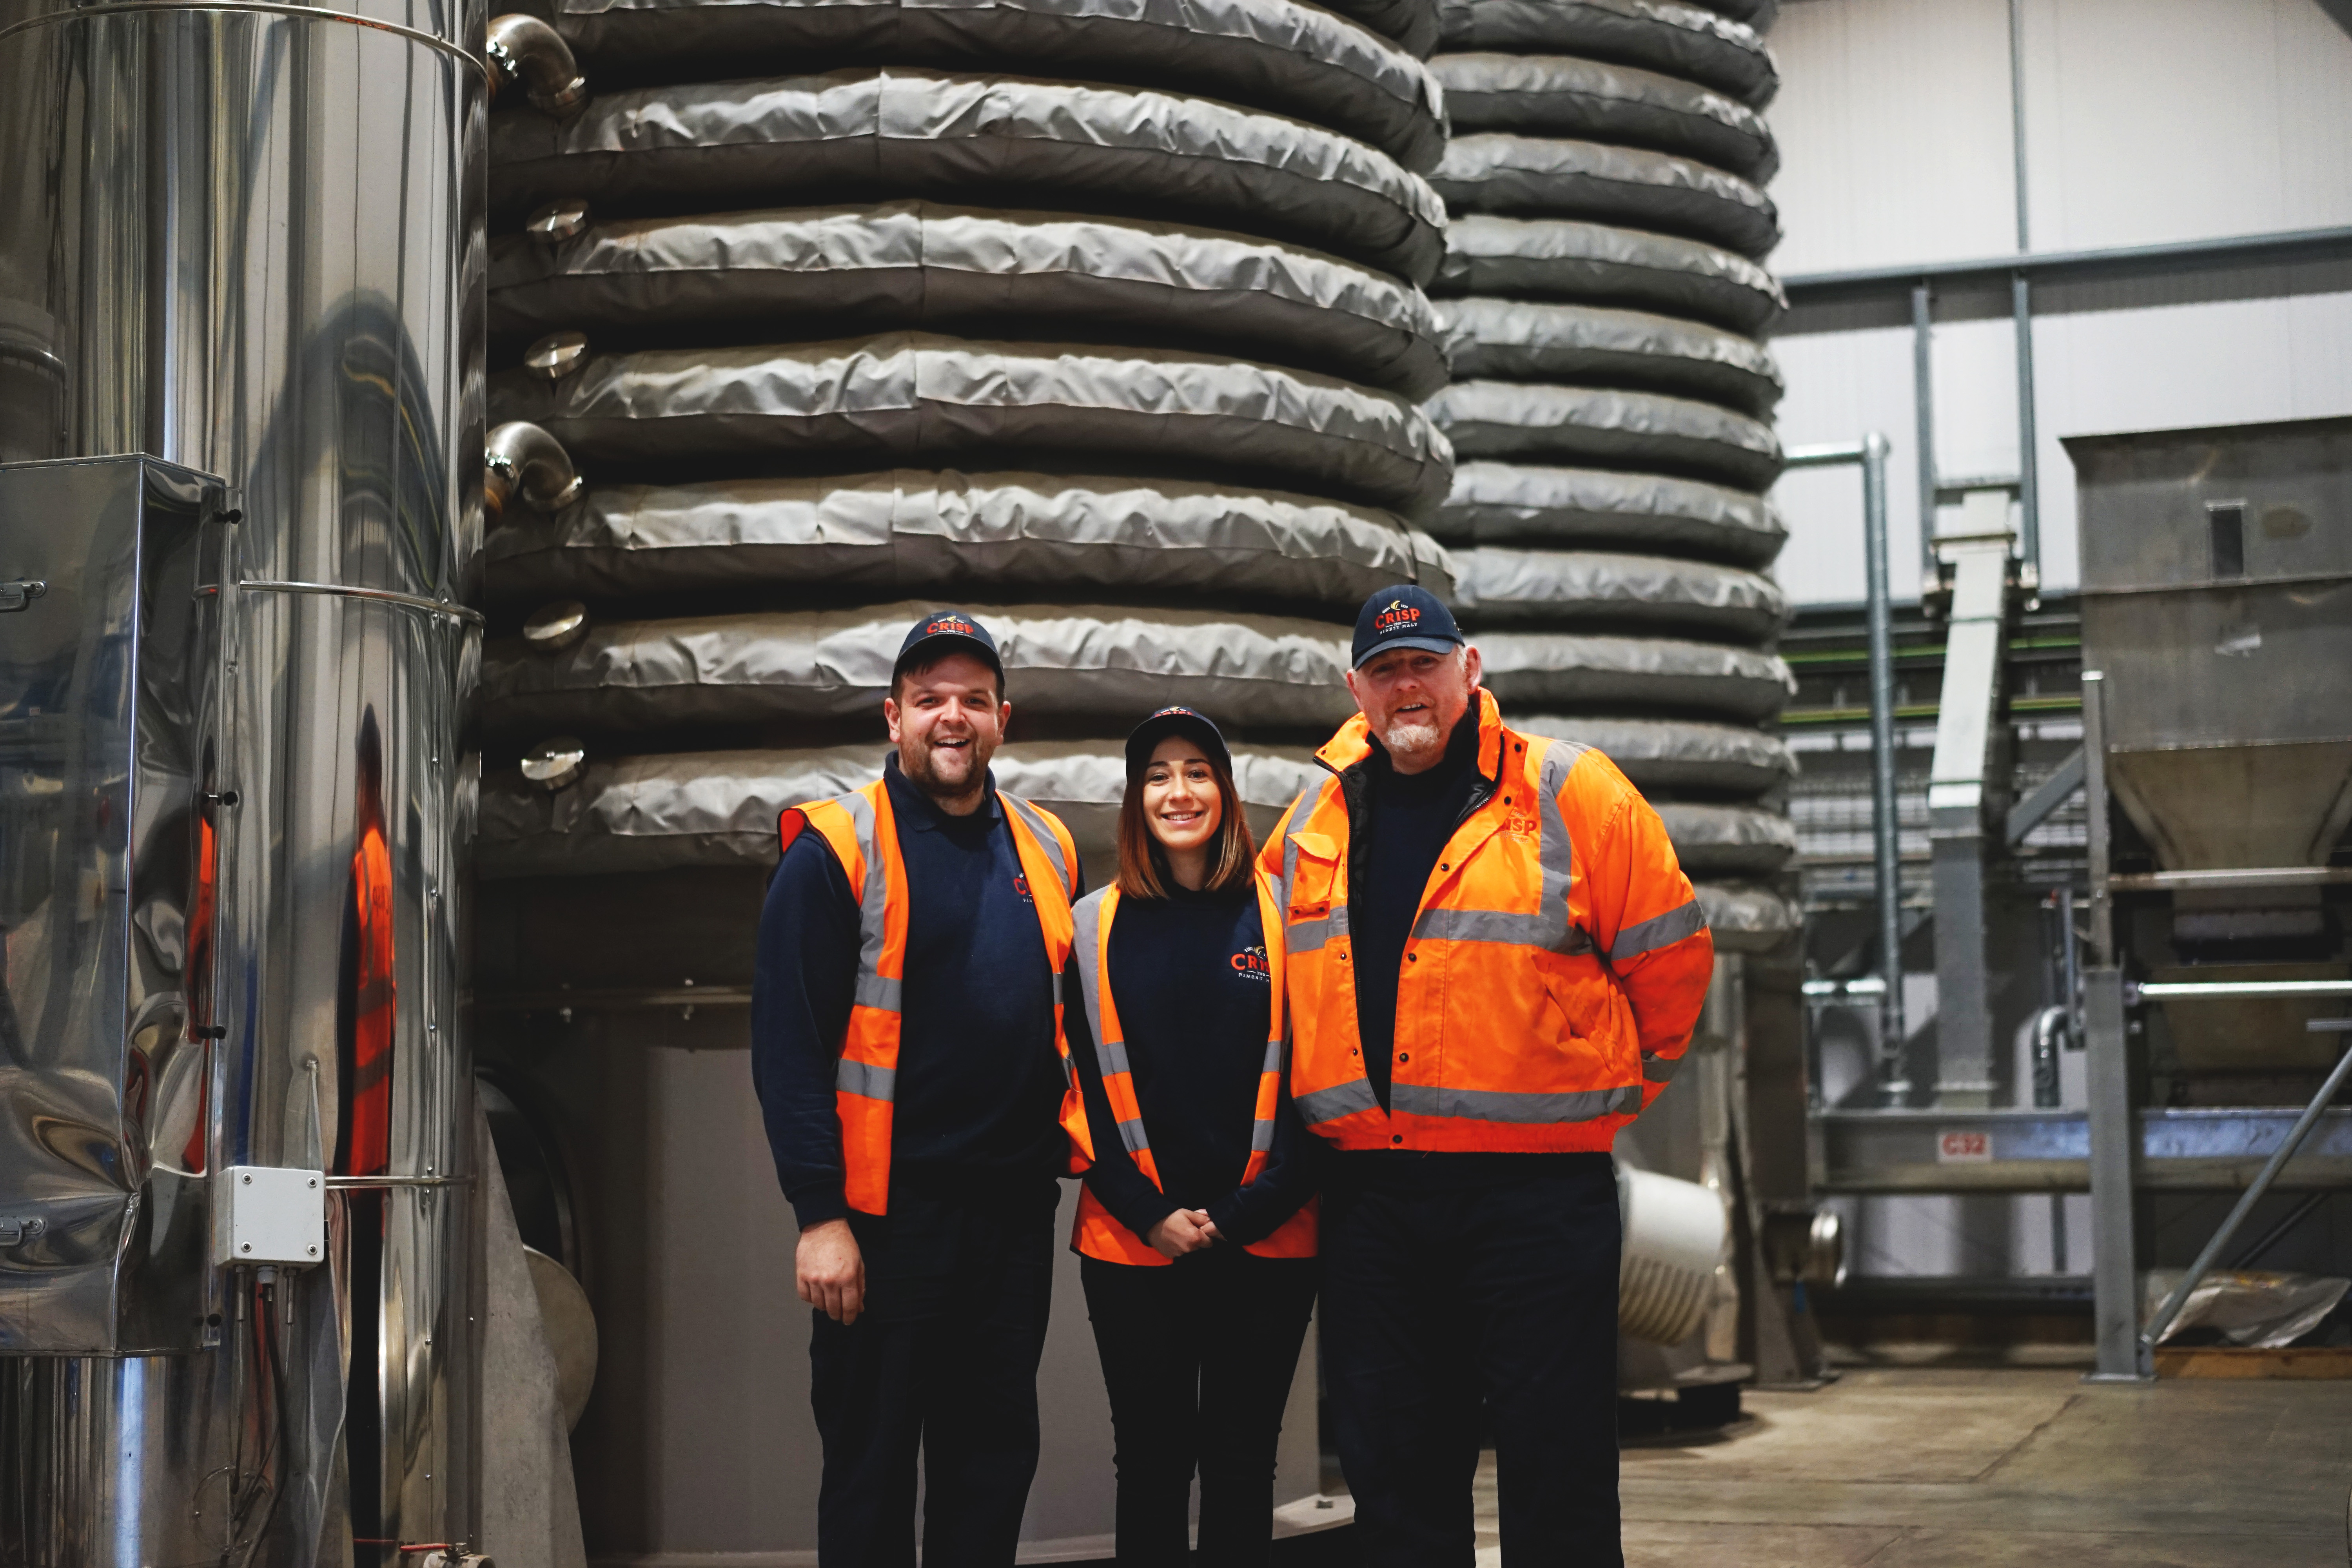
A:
{"x": 1316, "y": 899}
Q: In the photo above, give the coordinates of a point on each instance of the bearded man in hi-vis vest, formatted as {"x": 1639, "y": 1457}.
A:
{"x": 1495, "y": 962}
{"x": 907, "y": 1050}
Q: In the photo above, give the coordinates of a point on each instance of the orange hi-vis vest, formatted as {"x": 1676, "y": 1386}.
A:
{"x": 1099, "y": 1234}
{"x": 862, "y": 830}
{"x": 1552, "y": 975}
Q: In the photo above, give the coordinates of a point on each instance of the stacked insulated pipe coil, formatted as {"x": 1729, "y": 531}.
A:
{"x": 1611, "y": 409}
{"x": 1102, "y": 318}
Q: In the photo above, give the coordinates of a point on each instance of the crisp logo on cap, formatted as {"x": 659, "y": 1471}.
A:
{"x": 1163, "y": 713}
{"x": 1399, "y": 616}
{"x": 955, "y": 623}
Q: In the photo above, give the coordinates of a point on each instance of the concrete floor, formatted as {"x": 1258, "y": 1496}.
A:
{"x": 1941, "y": 1469}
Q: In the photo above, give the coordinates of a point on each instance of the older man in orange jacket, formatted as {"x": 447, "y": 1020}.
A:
{"x": 1495, "y": 963}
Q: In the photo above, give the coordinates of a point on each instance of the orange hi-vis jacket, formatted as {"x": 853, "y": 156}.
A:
{"x": 1099, "y": 1234}
{"x": 1552, "y": 976}
{"x": 862, "y": 830}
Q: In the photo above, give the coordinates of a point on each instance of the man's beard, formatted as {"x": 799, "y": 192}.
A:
{"x": 1413, "y": 736}
{"x": 920, "y": 763}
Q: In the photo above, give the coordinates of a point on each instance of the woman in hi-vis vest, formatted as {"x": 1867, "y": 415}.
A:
{"x": 1195, "y": 1232}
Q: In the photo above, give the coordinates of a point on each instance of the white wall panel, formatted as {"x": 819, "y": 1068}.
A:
{"x": 2149, "y": 121}
{"x": 1894, "y": 123}
{"x": 1841, "y": 386}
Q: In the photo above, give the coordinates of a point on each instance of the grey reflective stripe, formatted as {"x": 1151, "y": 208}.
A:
{"x": 1545, "y": 931}
{"x": 1289, "y": 850}
{"x": 1496, "y": 1105}
{"x": 1110, "y": 1055}
{"x": 1555, "y": 852}
{"x": 863, "y": 1079}
{"x": 1262, "y": 1130}
{"x": 1657, "y": 1068}
{"x": 1057, "y": 988}
{"x": 1036, "y": 822}
{"x": 1309, "y": 936}
{"x": 1339, "y": 1100}
{"x": 1659, "y": 931}
{"x": 872, "y": 990}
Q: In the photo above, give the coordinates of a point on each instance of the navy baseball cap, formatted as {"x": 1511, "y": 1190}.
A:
{"x": 1192, "y": 724}
{"x": 1403, "y": 617}
{"x": 943, "y": 632}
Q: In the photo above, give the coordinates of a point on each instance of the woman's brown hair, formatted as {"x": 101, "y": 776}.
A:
{"x": 1143, "y": 865}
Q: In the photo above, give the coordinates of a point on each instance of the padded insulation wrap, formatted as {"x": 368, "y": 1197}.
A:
{"x": 1672, "y": 754}
{"x": 867, "y": 135}
{"x": 1532, "y": 671}
{"x": 720, "y": 808}
{"x": 1512, "y": 339}
{"x": 1546, "y": 258}
{"x": 1543, "y": 177}
{"x": 1499, "y": 586}
{"x": 1505, "y": 503}
{"x": 1594, "y": 424}
{"x": 1679, "y": 40}
{"x": 1745, "y": 918}
{"x": 953, "y": 536}
{"x": 1556, "y": 95}
{"x": 928, "y": 401}
{"x": 1291, "y": 59}
{"x": 1118, "y": 664}
{"x": 825, "y": 272}
{"x": 642, "y": 814}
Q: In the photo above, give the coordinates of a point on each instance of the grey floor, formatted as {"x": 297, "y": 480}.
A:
{"x": 1919, "y": 1468}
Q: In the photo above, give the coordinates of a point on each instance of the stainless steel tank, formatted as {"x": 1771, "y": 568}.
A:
{"x": 243, "y": 241}
{"x": 2217, "y": 598}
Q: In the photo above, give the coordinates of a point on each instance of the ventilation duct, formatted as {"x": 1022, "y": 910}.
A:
{"x": 1602, "y": 297}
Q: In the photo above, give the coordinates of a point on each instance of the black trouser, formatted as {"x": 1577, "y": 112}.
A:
{"x": 944, "y": 1357}
{"x": 1434, "y": 1301}
{"x": 1198, "y": 1358}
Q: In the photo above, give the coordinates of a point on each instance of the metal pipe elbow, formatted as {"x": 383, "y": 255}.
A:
{"x": 522, "y": 461}
{"x": 531, "y": 55}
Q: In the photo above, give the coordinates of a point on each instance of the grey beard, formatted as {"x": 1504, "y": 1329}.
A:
{"x": 1412, "y": 739}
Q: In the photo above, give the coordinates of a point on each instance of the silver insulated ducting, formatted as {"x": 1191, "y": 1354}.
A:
{"x": 1600, "y": 300}
{"x": 1103, "y": 320}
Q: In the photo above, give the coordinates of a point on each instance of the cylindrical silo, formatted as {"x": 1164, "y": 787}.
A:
{"x": 1601, "y": 299}
{"x": 1103, "y": 321}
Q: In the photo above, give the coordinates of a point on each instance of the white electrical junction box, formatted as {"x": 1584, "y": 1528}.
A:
{"x": 265, "y": 1214}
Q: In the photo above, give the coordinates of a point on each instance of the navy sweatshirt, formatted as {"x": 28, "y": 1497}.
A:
{"x": 979, "y": 1095}
{"x": 1187, "y": 974}
{"x": 1408, "y": 817}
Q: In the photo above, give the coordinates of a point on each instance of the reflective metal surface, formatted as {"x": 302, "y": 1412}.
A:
{"x": 2217, "y": 596}
{"x": 107, "y": 900}
{"x": 247, "y": 239}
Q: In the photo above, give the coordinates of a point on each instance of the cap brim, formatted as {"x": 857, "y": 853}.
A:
{"x": 1426, "y": 645}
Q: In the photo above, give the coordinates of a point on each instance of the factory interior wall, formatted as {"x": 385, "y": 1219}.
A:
{"x": 2146, "y": 122}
